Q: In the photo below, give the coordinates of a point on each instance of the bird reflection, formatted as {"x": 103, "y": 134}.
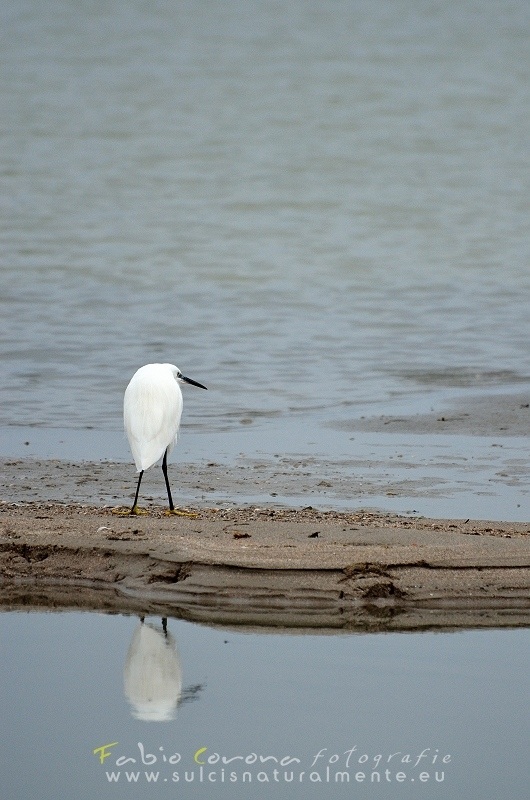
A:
{"x": 153, "y": 674}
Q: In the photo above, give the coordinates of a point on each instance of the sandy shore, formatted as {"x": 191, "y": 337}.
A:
{"x": 265, "y": 567}
{"x": 245, "y": 558}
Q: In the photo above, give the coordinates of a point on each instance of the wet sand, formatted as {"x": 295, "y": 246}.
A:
{"x": 236, "y": 561}
{"x": 499, "y": 415}
{"x": 262, "y": 567}
{"x": 466, "y": 458}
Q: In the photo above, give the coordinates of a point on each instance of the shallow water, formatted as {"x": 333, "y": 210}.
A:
{"x": 319, "y": 211}
{"x": 74, "y": 682}
{"x": 443, "y": 476}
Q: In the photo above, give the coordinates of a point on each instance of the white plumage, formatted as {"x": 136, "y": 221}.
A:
{"x": 152, "y": 408}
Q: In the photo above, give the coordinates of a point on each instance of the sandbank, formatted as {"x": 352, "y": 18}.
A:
{"x": 267, "y": 568}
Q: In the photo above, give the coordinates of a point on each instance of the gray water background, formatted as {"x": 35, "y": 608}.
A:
{"x": 319, "y": 210}
{"x": 308, "y": 206}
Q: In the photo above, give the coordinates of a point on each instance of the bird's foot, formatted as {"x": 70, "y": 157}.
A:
{"x": 178, "y": 512}
{"x": 120, "y": 511}
{"x": 135, "y": 511}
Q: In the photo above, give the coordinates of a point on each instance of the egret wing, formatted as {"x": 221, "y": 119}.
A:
{"x": 152, "y": 418}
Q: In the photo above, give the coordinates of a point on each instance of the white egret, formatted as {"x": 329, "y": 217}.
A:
{"x": 152, "y": 408}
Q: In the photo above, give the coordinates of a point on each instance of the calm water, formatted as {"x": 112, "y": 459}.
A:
{"x": 318, "y": 209}
{"x": 73, "y": 683}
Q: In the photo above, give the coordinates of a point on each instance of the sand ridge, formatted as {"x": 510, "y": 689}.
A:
{"x": 267, "y": 567}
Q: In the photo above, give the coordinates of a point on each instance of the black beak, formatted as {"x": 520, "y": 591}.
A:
{"x": 193, "y": 383}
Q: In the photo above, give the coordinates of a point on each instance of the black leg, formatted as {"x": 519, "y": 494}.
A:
{"x": 164, "y": 470}
{"x": 164, "y": 625}
{"x": 133, "y": 509}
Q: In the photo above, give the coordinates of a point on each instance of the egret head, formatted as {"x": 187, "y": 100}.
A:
{"x": 183, "y": 379}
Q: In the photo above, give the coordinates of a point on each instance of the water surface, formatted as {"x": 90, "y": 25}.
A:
{"x": 71, "y": 686}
